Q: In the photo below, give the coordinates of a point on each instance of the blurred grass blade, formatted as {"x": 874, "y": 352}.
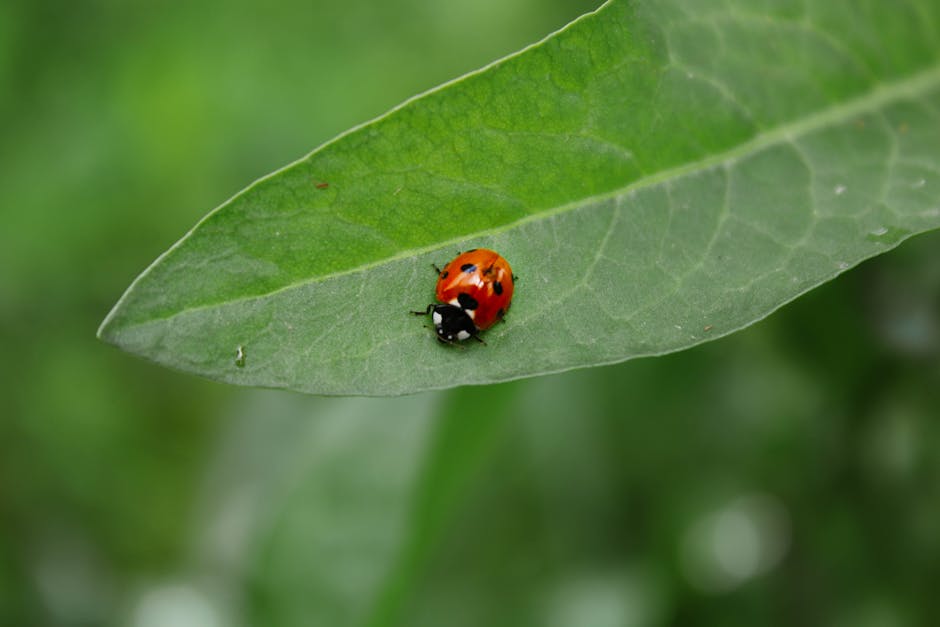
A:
{"x": 658, "y": 174}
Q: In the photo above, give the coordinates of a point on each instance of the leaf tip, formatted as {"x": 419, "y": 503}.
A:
{"x": 107, "y": 330}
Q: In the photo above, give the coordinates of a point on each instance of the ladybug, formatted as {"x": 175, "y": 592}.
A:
{"x": 476, "y": 289}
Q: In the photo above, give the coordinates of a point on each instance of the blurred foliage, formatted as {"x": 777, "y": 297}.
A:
{"x": 787, "y": 474}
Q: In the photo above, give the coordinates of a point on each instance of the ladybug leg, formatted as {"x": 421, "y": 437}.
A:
{"x": 478, "y": 339}
{"x": 425, "y": 312}
{"x": 450, "y": 343}
{"x": 436, "y": 269}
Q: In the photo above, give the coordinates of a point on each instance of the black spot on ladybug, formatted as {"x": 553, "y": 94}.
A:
{"x": 468, "y": 268}
{"x": 444, "y": 274}
{"x": 501, "y": 312}
{"x": 497, "y": 287}
{"x": 466, "y": 301}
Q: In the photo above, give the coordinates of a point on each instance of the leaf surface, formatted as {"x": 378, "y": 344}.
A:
{"x": 658, "y": 174}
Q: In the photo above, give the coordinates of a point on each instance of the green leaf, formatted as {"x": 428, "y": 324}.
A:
{"x": 658, "y": 174}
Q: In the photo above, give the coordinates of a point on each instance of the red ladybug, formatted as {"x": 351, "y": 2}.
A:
{"x": 476, "y": 289}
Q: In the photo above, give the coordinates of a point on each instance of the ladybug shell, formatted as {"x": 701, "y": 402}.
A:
{"x": 480, "y": 282}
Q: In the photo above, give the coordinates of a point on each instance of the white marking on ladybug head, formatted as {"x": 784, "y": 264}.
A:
{"x": 462, "y": 335}
{"x": 455, "y": 302}
{"x": 471, "y": 312}
{"x": 436, "y": 318}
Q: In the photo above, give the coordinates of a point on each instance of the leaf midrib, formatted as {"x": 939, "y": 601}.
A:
{"x": 866, "y": 102}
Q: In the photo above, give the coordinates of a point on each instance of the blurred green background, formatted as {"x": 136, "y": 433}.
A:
{"x": 789, "y": 474}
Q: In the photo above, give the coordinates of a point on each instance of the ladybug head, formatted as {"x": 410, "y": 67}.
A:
{"x": 452, "y": 323}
